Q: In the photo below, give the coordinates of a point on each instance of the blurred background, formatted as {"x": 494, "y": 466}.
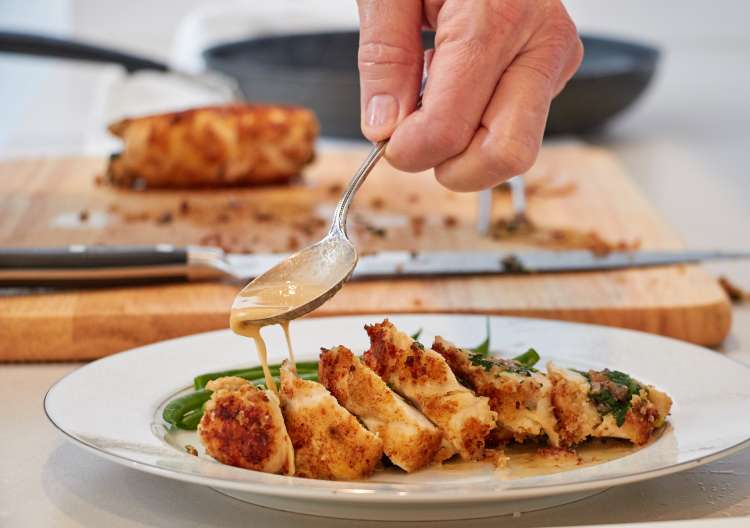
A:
{"x": 689, "y": 128}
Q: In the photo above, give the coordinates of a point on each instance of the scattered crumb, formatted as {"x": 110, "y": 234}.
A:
{"x": 292, "y": 243}
{"x": 210, "y": 239}
{"x": 191, "y": 450}
{"x": 512, "y": 264}
{"x": 165, "y": 218}
{"x": 335, "y": 189}
{"x": 223, "y": 218}
{"x": 140, "y": 216}
{"x": 184, "y": 207}
{"x": 417, "y": 302}
{"x": 736, "y": 294}
{"x": 377, "y": 202}
{"x": 413, "y": 254}
{"x": 496, "y": 457}
{"x": 99, "y": 180}
{"x": 113, "y": 208}
{"x": 83, "y": 215}
{"x": 376, "y": 231}
{"x": 417, "y": 225}
{"x": 412, "y": 198}
{"x": 450, "y": 221}
{"x": 263, "y": 216}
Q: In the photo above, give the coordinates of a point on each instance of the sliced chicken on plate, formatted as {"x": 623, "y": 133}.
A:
{"x": 424, "y": 378}
{"x": 518, "y": 394}
{"x": 605, "y": 403}
{"x": 329, "y": 443}
{"x": 243, "y": 426}
{"x": 410, "y": 440}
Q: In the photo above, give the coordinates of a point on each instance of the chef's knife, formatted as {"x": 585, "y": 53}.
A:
{"x": 80, "y": 265}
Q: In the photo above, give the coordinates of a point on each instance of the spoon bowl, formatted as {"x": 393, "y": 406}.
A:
{"x": 307, "y": 279}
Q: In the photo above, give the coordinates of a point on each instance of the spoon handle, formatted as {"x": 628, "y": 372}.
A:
{"x": 342, "y": 209}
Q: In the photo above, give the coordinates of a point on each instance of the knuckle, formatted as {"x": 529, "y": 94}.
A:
{"x": 508, "y": 156}
{"x": 448, "y": 136}
{"x": 380, "y": 53}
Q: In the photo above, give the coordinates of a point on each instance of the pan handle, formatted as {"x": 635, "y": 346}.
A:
{"x": 45, "y": 46}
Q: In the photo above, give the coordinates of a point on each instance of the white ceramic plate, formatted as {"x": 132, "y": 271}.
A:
{"x": 113, "y": 407}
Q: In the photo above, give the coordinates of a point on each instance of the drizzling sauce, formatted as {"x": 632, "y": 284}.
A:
{"x": 267, "y": 301}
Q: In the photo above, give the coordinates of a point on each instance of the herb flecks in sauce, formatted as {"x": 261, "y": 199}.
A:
{"x": 503, "y": 365}
{"x": 612, "y": 392}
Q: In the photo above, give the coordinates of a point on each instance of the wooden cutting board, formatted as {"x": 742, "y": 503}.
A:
{"x": 58, "y": 201}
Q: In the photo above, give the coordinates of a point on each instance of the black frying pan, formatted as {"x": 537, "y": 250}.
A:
{"x": 319, "y": 70}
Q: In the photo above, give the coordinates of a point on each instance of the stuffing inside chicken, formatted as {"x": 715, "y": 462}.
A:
{"x": 424, "y": 378}
{"x": 237, "y": 144}
{"x": 519, "y": 395}
{"x": 410, "y": 440}
{"x": 242, "y": 426}
{"x": 329, "y": 443}
{"x": 605, "y": 403}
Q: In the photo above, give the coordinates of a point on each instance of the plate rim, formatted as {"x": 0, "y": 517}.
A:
{"x": 281, "y": 488}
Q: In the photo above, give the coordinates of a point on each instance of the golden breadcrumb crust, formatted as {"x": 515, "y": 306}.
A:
{"x": 424, "y": 378}
{"x": 242, "y": 426}
{"x": 217, "y": 146}
{"x": 409, "y": 439}
{"x": 329, "y": 443}
{"x": 522, "y": 403}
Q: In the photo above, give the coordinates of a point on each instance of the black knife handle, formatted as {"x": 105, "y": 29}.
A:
{"x": 46, "y": 46}
{"x": 85, "y": 266}
{"x": 83, "y": 257}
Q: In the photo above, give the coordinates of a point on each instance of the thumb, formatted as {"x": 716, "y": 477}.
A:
{"x": 390, "y": 63}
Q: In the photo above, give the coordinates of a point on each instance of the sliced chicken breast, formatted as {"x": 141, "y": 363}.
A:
{"x": 329, "y": 443}
{"x": 242, "y": 426}
{"x": 424, "y": 378}
{"x": 520, "y": 396}
{"x": 605, "y": 403}
{"x": 410, "y": 440}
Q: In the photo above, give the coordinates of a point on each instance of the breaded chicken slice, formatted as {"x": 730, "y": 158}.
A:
{"x": 605, "y": 403}
{"x": 242, "y": 426}
{"x": 519, "y": 395}
{"x": 329, "y": 443}
{"x": 424, "y": 378}
{"x": 409, "y": 439}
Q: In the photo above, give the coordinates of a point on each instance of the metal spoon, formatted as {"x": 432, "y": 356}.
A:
{"x": 307, "y": 279}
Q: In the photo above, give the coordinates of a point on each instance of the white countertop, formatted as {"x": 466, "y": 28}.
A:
{"x": 686, "y": 144}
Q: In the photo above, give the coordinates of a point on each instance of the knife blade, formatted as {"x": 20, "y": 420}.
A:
{"x": 80, "y": 265}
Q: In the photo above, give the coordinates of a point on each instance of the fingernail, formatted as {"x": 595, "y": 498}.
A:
{"x": 382, "y": 111}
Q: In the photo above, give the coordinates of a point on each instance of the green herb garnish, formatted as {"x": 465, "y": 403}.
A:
{"x": 601, "y": 392}
{"x": 528, "y": 358}
{"x": 483, "y": 349}
{"x": 415, "y": 335}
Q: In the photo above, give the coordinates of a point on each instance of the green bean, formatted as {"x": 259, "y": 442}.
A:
{"x": 528, "y": 358}
{"x": 200, "y": 381}
{"x": 191, "y": 419}
{"x": 176, "y": 409}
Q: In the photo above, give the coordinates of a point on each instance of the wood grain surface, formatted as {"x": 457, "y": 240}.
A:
{"x": 57, "y": 202}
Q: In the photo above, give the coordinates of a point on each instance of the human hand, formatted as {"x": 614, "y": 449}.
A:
{"x": 497, "y": 65}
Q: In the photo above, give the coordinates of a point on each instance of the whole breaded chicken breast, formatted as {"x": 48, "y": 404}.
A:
{"x": 409, "y": 439}
{"x": 605, "y": 403}
{"x": 424, "y": 378}
{"x": 520, "y": 396}
{"x": 217, "y": 146}
{"x": 242, "y": 426}
{"x": 329, "y": 443}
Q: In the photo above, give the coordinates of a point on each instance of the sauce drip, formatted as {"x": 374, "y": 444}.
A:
{"x": 292, "y": 362}
{"x": 258, "y": 303}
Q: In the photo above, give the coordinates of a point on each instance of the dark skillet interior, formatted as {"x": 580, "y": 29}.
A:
{"x": 319, "y": 70}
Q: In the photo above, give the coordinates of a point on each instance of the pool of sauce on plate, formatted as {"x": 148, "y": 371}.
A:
{"x": 266, "y": 301}
{"x": 527, "y": 460}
